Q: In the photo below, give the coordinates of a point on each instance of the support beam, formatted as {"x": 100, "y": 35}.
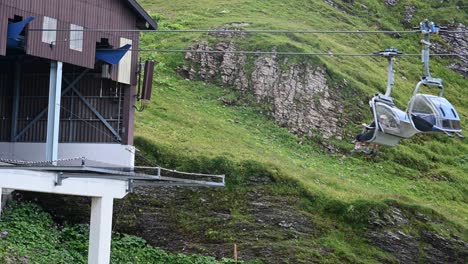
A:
{"x": 71, "y": 132}
{"x": 95, "y": 112}
{"x": 43, "y": 112}
{"x": 100, "y": 232}
{"x": 53, "y": 117}
{"x": 1, "y": 202}
{"x": 16, "y": 100}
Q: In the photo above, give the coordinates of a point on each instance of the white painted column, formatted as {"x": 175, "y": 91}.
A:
{"x": 100, "y": 232}
{"x": 53, "y": 117}
{"x": 1, "y": 202}
{"x": 4, "y": 197}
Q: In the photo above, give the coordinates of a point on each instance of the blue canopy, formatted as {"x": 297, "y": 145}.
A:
{"x": 112, "y": 56}
{"x": 14, "y": 31}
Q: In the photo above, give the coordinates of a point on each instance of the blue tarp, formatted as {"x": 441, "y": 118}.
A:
{"x": 112, "y": 56}
{"x": 14, "y": 31}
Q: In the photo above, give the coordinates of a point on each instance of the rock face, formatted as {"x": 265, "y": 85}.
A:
{"x": 391, "y": 2}
{"x": 409, "y": 13}
{"x": 459, "y": 45}
{"x": 387, "y": 232}
{"x": 162, "y": 218}
{"x": 298, "y": 95}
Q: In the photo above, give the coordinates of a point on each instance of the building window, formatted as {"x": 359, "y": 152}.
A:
{"x": 49, "y": 35}
{"x": 76, "y": 37}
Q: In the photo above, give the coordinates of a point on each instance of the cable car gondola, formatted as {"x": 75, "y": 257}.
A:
{"x": 425, "y": 113}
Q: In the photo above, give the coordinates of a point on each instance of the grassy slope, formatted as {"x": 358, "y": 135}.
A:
{"x": 28, "y": 235}
{"x": 188, "y": 118}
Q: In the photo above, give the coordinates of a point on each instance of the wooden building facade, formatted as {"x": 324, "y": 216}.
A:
{"x": 97, "y": 97}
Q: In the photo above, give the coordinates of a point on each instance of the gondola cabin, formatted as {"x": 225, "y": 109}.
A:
{"x": 426, "y": 113}
{"x": 68, "y": 75}
{"x": 436, "y": 112}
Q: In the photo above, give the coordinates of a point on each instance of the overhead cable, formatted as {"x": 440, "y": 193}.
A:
{"x": 331, "y": 54}
{"x": 256, "y": 31}
{"x": 273, "y": 31}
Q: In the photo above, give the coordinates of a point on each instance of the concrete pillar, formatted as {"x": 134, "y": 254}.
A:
{"x": 53, "y": 118}
{"x": 1, "y": 201}
{"x": 100, "y": 232}
{"x": 5, "y": 196}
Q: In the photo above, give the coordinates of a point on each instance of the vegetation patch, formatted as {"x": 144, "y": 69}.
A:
{"x": 28, "y": 235}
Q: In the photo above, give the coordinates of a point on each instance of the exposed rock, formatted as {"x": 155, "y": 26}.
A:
{"x": 391, "y": 217}
{"x": 298, "y": 96}
{"x": 422, "y": 247}
{"x": 391, "y": 2}
{"x": 404, "y": 247}
{"x": 443, "y": 250}
{"x": 158, "y": 219}
{"x": 336, "y": 5}
{"x": 231, "y": 30}
{"x": 409, "y": 13}
{"x": 231, "y": 75}
{"x": 332, "y": 3}
{"x": 3, "y": 234}
{"x": 458, "y": 45}
{"x": 279, "y": 211}
{"x": 301, "y": 97}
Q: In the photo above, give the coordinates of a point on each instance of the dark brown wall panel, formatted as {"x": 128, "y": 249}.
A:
{"x": 5, "y": 100}
{"x": 95, "y": 14}
{"x": 103, "y": 14}
{"x": 3, "y": 29}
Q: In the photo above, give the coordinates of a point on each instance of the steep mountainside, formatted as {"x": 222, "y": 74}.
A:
{"x": 279, "y": 127}
{"x": 289, "y": 198}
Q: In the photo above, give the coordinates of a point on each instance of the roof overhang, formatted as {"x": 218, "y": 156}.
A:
{"x": 136, "y": 7}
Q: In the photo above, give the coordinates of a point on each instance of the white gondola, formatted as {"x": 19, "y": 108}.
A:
{"x": 433, "y": 113}
{"x": 425, "y": 113}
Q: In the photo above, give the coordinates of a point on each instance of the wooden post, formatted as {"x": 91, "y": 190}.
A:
{"x": 235, "y": 253}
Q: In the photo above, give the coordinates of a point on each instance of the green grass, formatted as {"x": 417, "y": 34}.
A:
{"x": 30, "y": 236}
{"x": 187, "y": 117}
{"x": 186, "y": 126}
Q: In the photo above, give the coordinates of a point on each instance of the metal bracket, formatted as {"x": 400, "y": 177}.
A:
{"x": 432, "y": 81}
{"x": 130, "y": 185}
{"x": 427, "y": 28}
{"x": 389, "y": 54}
{"x": 447, "y": 133}
{"x": 158, "y": 175}
{"x": 59, "y": 178}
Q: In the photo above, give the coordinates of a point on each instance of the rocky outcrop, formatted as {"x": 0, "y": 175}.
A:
{"x": 301, "y": 98}
{"x": 391, "y": 2}
{"x": 409, "y": 14}
{"x": 162, "y": 217}
{"x": 298, "y": 95}
{"x": 458, "y": 44}
{"x": 389, "y": 233}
